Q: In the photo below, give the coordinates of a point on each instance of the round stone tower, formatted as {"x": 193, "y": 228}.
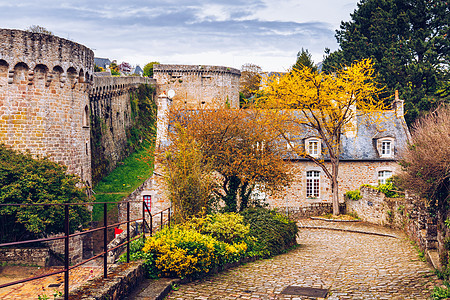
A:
{"x": 44, "y": 98}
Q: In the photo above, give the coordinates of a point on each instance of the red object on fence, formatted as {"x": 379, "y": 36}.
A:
{"x": 117, "y": 231}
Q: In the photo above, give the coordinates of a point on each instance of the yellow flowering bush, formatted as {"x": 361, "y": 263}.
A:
{"x": 203, "y": 243}
{"x": 182, "y": 251}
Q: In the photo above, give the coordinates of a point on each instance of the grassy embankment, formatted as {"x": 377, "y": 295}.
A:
{"x": 123, "y": 180}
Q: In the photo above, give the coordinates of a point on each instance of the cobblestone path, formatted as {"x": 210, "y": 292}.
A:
{"x": 351, "y": 265}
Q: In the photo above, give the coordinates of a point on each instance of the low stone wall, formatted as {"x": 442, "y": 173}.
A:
{"x": 26, "y": 256}
{"x": 75, "y": 248}
{"x": 122, "y": 279}
{"x": 375, "y": 207}
{"x": 314, "y": 209}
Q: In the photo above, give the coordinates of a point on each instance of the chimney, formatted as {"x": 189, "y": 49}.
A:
{"x": 397, "y": 105}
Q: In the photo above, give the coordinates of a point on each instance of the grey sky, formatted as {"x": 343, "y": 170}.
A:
{"x": 230, "y": 33}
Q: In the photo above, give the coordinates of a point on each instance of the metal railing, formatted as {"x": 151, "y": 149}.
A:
{"x": 104, "y": 228}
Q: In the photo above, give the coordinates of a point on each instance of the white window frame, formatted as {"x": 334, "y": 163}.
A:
{"x": 383, "y": 175}
{"x": 386, "y": 147}
{"x": 310, "y": 149}
{"x": 312, "y": 184}
{"x": 258, "y": 192}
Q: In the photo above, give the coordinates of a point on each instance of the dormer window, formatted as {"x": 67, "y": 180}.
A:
{"x": 385, "y": 147}
{"x": 313, "y": 147}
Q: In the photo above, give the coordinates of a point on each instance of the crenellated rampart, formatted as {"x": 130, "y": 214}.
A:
{"x": 199, "y": 86}
{"x": 44, "y": 97}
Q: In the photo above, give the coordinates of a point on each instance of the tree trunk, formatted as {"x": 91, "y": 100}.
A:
{"x": 335, "y": 188}
{"x": 231, "y": 193}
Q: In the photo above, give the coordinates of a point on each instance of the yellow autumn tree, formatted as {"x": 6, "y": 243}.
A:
{"x": 323, "y": 104}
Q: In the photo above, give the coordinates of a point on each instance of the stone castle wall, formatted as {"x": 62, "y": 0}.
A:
{"x": 44, "y": 97}
{"x": 199, "y": 87}
{"x": 112, "y": 115}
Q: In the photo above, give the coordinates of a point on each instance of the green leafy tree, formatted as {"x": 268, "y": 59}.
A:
{"x": 32, "y": 181}
{"x": 408, "y": 42}
{"x": 148, "y": 68}
{"x": 304, "y": 59}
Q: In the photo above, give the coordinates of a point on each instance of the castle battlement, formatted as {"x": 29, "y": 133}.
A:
{"x": 199, "y": 86}
{"x": 44, "y": 97}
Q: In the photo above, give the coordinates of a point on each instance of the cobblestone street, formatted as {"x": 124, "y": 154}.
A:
{"x": 350, "y": 265}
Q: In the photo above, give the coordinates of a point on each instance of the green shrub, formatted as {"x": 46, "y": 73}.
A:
{"x": 353, "y": 195}
{"x": 26, "y": 180}
{"x": 388, "y": 189}
{"x": 274, "y": 232}
{"x": 203, "y": 243}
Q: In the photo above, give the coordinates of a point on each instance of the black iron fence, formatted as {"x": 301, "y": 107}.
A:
{"x": 147, "y": 227}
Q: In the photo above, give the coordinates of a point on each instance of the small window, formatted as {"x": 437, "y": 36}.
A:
{"x": 312, "y": 184}
{"x": 313, "y": 147}
{"x": 148, "y": 202}
{"x": 386, "y": 147}
{"x": 86, "y": 116}
{"x": 258, "y": 193}
{"x": 259, "y": 146}
{"x": 383, "y": 176}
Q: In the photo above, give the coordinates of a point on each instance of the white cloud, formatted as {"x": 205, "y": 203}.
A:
{"x": 224, "y": 32}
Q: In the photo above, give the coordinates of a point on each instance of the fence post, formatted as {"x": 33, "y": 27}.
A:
{"x": 151, "y": 225}
{"x": 128, "y": 231}
{"x": 143, "y": 219}
{"x": 162, "y": 223}
{"x": 66, "y": 252}
{"x": 169, "y": 218}
{"x": 105, "y": 242}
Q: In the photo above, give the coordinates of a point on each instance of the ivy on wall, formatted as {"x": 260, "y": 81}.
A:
{"x": 142, "y": 130}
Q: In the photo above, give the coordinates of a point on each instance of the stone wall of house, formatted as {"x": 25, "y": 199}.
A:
{"x": 154, "y": 188}
{"x": 111, "y": 116}
{"x": 352, "y": 174}
{"x": 199, "y": 87}
{"x": 44, "y": 104}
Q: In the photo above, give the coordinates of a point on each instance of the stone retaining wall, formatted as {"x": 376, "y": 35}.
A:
{"x": 26, "y": 256}
{"x": 409, "y": 213}
{"x": 311, "y": 210}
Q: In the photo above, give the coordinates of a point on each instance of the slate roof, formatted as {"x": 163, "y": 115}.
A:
{"x": 102, "y": 62}
{"x": 138, "y": 70}
{"x": 363, "y": 145}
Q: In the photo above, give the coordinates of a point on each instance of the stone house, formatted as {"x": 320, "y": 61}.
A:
{"x": 370, "y": 151}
